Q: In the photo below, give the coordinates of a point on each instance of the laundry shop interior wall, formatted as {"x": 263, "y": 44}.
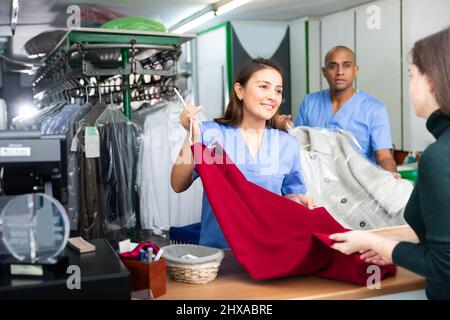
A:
{"x": 246, "y": 44}
{"x": 381, "y": 55}
{"x": 223, "y": 49}
{"x": 212, "y": 62}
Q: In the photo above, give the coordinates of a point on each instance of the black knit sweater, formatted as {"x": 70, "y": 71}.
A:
{"x": 428, "y": 214}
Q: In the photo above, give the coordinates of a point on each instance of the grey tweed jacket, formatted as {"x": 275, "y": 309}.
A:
{"x": 356, "y": 192}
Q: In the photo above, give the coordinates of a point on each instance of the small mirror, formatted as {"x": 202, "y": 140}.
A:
{"x": 34, "y": 227}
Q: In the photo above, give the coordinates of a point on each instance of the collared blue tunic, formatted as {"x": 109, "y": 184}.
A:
{"x": 363, "y": 116}
{"x": 276, "y": 168}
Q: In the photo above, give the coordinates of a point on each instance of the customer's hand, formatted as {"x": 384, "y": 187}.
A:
{"x": 372, "y": 257}
{"x": 352, "y": 241}
{"x": 283, "y": 122}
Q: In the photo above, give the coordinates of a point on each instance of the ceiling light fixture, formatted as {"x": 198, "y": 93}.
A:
{"x": 231, "y": 5}
{"x": 206, "y": 15}
{"x": 195, "y": 22}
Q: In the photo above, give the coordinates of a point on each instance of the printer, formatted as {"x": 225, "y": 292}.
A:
{"x": 32, "y": 163}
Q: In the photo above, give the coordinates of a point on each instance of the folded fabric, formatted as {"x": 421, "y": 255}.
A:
{"x": 272, "y": 236}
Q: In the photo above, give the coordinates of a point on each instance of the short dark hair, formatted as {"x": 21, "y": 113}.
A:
{"x": 332, "y": 50}
{"x": 431, "y": 55}
{"x": 234, "y": 113}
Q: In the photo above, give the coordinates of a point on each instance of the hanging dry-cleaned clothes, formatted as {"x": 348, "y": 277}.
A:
{"x": 57, "y": 123}
{"x": 91, "y": 214}
{"x": 160, "y": 206}
{"x": 73, "y": 168}
{"x": 117, "y": 164}
{"x": 272, "y": 236}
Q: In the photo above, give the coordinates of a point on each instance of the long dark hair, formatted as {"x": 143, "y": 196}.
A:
{"x": 431, "y": 55}
{"x": 234, "y": 113}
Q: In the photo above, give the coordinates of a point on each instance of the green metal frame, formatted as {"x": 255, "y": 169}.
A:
{"x": 126, "y": 82}
{"x": 77, "y": 36}
{"x": 215, "y": 27}
{"x": 107, "y": 36}
{"x": 229, "y": 56}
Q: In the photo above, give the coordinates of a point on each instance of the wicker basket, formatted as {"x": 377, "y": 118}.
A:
{"x": 184, "y": 268}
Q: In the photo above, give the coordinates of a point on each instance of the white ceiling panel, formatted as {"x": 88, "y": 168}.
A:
{"x": 36, "y": 16}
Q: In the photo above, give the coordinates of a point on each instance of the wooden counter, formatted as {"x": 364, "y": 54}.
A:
{"x": 233, "y": 282}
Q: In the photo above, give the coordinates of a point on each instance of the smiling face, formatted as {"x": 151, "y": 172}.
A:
{"x": 340, "y": 69}
{"x": 261, "y": 96}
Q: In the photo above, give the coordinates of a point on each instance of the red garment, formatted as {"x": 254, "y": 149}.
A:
{"x": 272, "y": 236}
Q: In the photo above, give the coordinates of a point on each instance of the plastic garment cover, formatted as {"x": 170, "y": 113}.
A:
{"x": 357, "y": 193}
{"x": 45, "y": 125}
{"x": 119, "y": 148}
{"x": 272, "y": 236}
{"x": 59, "y": 122}
{"x": 160, "y": 206}
{"x": 64, "y": 122}
{"x": 140, "y": 115}
{"x": 73, "y": 167}
{"x": 90, "y": 196}
{"x": 44, "y": 42}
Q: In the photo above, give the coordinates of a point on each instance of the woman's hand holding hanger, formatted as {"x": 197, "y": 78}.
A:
{"x": 186, "y": 115}
{"x": 183, "y": 168}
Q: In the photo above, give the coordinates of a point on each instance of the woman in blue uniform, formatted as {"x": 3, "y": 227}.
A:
{"x": 266, "y": 156}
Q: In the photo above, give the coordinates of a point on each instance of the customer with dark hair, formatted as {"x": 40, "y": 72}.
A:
{"x": 428, "y": 210}
{"x": 266, "y": 156}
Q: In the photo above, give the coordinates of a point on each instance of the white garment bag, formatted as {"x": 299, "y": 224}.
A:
{"x": 162, "y": 208}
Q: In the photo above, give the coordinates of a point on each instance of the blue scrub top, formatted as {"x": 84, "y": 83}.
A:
{"x": 365, "y": 117}
{"x": 275, "y": 168}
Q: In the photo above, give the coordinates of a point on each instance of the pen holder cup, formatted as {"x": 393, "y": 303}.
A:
{"x": 147, "y": 276}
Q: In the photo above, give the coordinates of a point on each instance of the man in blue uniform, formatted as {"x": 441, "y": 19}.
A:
{"x": 343, "y": 107}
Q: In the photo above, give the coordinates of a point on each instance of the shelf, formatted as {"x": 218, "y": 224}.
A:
{"x": 93, "y": 39}
{"x": 109, "y": 36}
